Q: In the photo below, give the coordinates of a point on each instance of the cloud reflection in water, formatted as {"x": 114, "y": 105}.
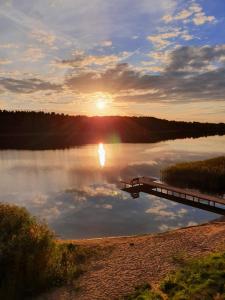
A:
{"x": 79, "y": 199}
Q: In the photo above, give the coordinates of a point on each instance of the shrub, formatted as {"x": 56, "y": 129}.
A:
{"x": 30, "y": 258}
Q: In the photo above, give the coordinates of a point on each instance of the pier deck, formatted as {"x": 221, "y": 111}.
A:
{"x": 152, "y": 186}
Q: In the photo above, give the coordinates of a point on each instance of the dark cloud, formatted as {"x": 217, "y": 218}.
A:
{"x": 81, "y": 60}
{"x": 27, "y": 86}
{"x": 196, "y": 59}
{"x": 192, "y": 73}
{"x": 119, "y": 78}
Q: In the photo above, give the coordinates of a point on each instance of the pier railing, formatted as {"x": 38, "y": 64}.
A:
{"x": 151, "y": 185}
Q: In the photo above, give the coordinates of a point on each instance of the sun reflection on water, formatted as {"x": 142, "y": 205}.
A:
{"x": 101, "y": 154}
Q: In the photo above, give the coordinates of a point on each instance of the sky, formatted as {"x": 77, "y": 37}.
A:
{"x": 162, "y": 58}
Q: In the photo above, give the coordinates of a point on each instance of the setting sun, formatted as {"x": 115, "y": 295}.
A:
{"x": 101, "y": 104}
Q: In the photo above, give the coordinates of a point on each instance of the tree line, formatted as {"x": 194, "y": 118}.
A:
{"x": 41, "y": 130}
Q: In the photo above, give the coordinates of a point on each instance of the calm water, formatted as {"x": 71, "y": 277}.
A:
{"x": 75, "y": 190}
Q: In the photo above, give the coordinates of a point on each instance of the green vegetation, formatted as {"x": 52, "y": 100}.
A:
{"x": 31, "y": 260}
{"x": 200, "y": 279}
{"x": 143, "y": 292}
{"x": 207, "y": 175}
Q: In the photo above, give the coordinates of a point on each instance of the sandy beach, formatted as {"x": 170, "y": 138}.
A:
{"x": 125, "y": 262}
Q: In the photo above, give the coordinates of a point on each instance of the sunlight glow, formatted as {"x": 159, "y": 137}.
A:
{"x": 101, "y": 154}
{"x": 101, "y": 104}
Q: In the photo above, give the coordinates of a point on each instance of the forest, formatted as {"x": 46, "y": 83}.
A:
{"x": 41, "y": 130}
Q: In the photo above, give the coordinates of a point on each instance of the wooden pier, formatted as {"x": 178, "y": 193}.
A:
{"x": 152, "y": 186}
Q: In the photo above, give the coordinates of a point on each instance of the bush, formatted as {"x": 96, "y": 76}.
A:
{"x": 30, "y": 258}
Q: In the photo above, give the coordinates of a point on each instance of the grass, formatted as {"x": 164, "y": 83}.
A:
{"x": 31, "y": 261}
{"x": 202, "y": 279}
{"x": 199, "y": 279}
{"x": 207, "y": 175}
{"x": 143, "y": 292}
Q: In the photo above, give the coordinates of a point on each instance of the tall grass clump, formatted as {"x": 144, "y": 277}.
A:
{"x": 207, "y": 175}
{"x": 31, "y": 261}
{"x": 201, "y": 279}
{"x": 143, "y": 292}
{"x": 198, "y": 279}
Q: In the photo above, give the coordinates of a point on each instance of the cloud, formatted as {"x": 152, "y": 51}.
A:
{"x": 196, "y": 59}
{"x": 182, "y": 15}
{"x": 114, "y": 78}
{"x": 27, "y": 85}
{"x": 43, "y": 37}
{"x": 161, "y": 210}
{"x": 186, "y": 74}
{"x": 162, "y": 40}
{"x": 165, "y": 227}
{"x": 32, "y": 54}
{"x": 106, "y": 43}
{"x": 201, "y": 18}
{"x": 81, "y": 22}
{"x": 194, "y": 13}
{"x": 5, "y": 61}
{"x": 9, "y": 46}
{"x": 170, "y": 36}
{"x": 192, "y": 223}
{"x": 190, "y": 73}
{"x": 82, "y": 60}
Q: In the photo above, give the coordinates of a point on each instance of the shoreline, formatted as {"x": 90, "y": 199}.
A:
{"x": 80, "y": 240}
{"x": 123, "y": 263}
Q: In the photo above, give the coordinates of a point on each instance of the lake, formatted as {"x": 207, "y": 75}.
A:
{"x": 75, "y": 190}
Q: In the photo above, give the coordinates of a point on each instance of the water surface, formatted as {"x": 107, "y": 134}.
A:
{"x": 75, "y": 190}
